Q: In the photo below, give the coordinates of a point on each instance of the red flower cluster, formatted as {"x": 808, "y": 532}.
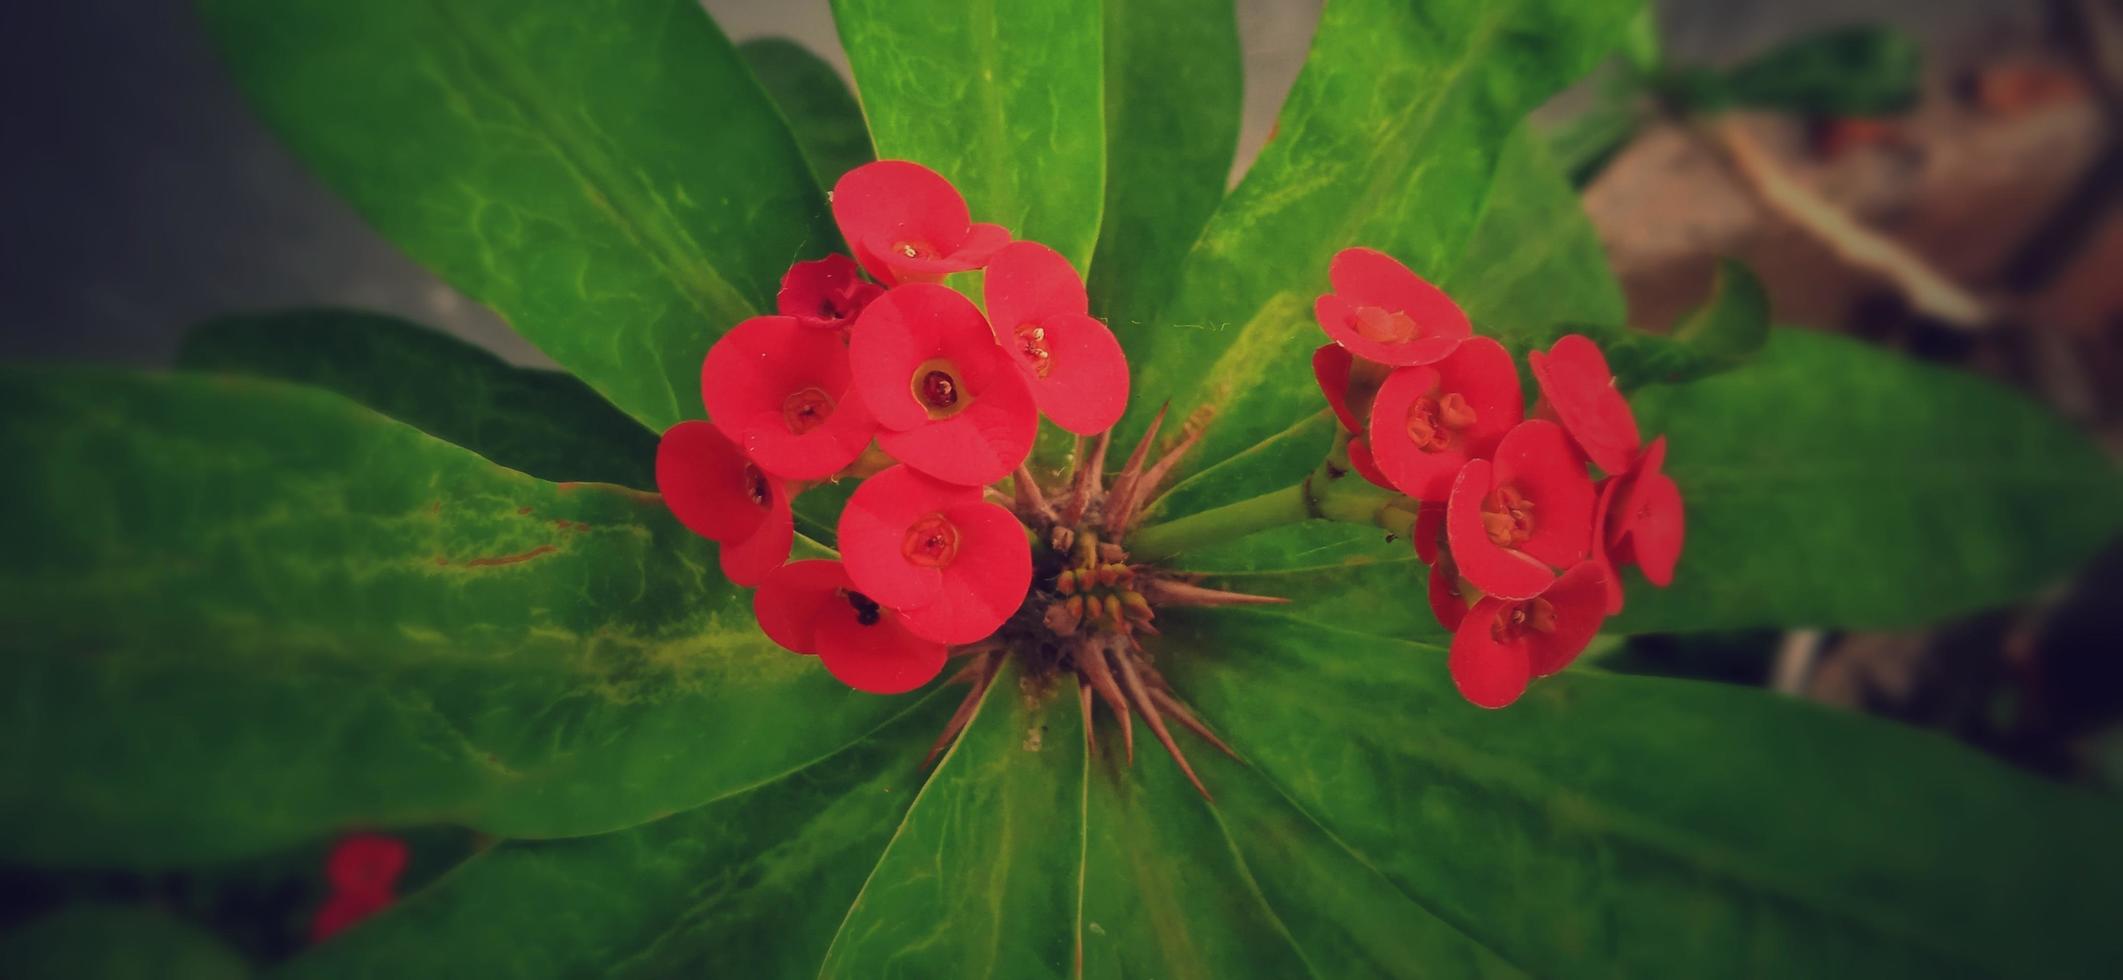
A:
{"x": 1522, "y": 543}
{"x": 855, "y": 373}
{"x": 363, "y": 871}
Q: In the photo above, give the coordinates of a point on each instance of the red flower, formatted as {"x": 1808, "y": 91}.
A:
{"x": 954, "y": 566}
{"x": 825, "y": 293}
{"x": 1348, "y": 383}
{"x": 1037, "y": 305}
{"x": 907, "y": 223}
{"x": 365, "y": 863}
{"x": 342, "y": 910}
{"x": 1646, "y": 524}
{"x": 1578, "y": 390}
{"x": 1447, "y": 593}
{"x": 784, "y": 393}
{"x": 1509, "y": 520}
{"x": 1360, "y": 460}
{"x": 1428, "y": 421}
{"x": 952, "y": 403}
{"x": 720, "y": 495}
{"x": 811, "y": 607}
{"x": 1385, "y": 313}
{"x": 1503, "y": 644}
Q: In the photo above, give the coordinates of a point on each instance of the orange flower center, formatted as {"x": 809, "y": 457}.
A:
{"x": 805, "y": 410}
{"x": 1383, "y": 325}
{"x": 1435, "y": 424}
{"x": 1508, "y": 517}
{"x": 931, "y": 542}
{"x": 1520, "y": 618}
{"x": 1032, "y": 344}
{"x": 937, "y": 387}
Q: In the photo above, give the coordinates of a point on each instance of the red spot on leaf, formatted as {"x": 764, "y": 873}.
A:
{"x": 509, "y": 559}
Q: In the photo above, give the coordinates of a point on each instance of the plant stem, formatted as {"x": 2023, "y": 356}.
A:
{"x": 1194, "y": 531}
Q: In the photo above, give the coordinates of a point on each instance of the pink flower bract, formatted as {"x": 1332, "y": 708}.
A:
{"x": 1578, "y": 389}
{"x": 952, "y": 564}
{"x": 1382, "y": 312}
{"x": 811, "y": 607}
{"x": 951, "y": 402}
{"x": 1040, "y": 313}
{"x": 1510, "y": 520}
{"x": 907, "y": 223}
{"x": 1647, "y": 523}
{"x": 1428, "y": 421}
{"x": 365, "y": 863}
{"x": 784, "y": 393}
{"x": 1502, "y": 644}
{"x": 720, "y": 495}
{"x": 825, "y": 293}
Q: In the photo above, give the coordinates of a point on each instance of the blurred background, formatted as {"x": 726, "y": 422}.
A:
{"x": 1952, "y": 191}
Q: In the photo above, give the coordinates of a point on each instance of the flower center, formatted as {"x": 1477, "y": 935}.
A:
{"x": 1520, "y": 618}
{"x": 865, "y": 608}
{"x": 1508, "y": 517}
{"x": 805, "y": 410}
{"x": 756, "y": 486}
{"x": 1383, "y": 325}
{"x": 914, "y": 250}
{"x": 937, "y": 387}
{"x": 1435, "y": 423}
{"x": 1032, "y": 346}
{"x": 931, "y": 542}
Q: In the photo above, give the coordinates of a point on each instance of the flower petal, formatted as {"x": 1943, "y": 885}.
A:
{"x": 873, "y": 534}
{"x": 1488, "y": 673}
{"x": 749, "y": 559}
{"x": 1365, "y": 277}
{"x": 793, "y": 599}
{"x": 1497, "y": 571}
{"x": 1537, "y": 460}
{"x": 879, "y": 205}
{"x": 1027, "y": 282}
{"x": 1579, "y": 389}
{"x": 879, "y": 657}
{"x": 750, "y": 379}
{"x": 1578, "y": 601}
{"x": 1085, "y": 389}
{"x": 705, "y": 482}
{"x": 985, "y": 586}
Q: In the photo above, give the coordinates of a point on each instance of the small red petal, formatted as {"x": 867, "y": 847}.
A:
{"x": 1578, "y": 601}
{"x": 1497, "y": 571}
{"x": 880, "y": 657}
{"x": 1085, "y": 388}
{"x": 873, "y": 534}
{"x": 1361, "y": 461}
{"x": 1447, "y": 602}
{"x": 891, "y": 203}
{"x": 342, "y": 910}
{"x": 1578, "y": 388}
{"x": 921, "y": 330}
{"x": 1429, "y": 532}
{"x": 1413, "y": 470}
{"x": 987, "y": 583}
{"x": 365, "y": 863}
{"x": 1601, "y": 550}
{"x": 785, "y": 394}
{"x": 1028, "y": 282}
{"x": 749, "y": 559}
{"x": 707, "y": 483}
{"x": 1488, "y": 673}
{"x": 1365, "y": 279}
{"x": 1330, "y": 367}
{"x": 1536, "y": 459}
{"x": 825, "y": 293}
{"x": 793, "y": 599}
{"x": 1656, "y": 533}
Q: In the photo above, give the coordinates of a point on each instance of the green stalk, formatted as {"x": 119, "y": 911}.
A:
{"x": 1332, "y": 492}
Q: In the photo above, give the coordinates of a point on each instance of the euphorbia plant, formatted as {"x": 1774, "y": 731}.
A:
{"x": 394, "y": 584}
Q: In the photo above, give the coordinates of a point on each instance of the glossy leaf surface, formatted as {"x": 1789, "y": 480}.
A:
{"x": 115, "y": 942}
{"x": 822, "y": 113}
{"x": 606, "y": 174}
{"x": 1003, "y": 99}
{"x": 544, "y": 423}
{"x": 308, "y": 616}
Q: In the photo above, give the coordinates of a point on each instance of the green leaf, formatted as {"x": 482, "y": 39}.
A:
{"x": 822, "y": 113}
{"x": 544, "y": 423}
{"x": 1645, "y": 827}
{"x": 1003, "y": 99}
{"x": 982, "y": 877}
{"x": 1344, "y": 576}
{"x": 1864, "y": 70}
{"x": 1723, "y": 333}
{"x": 115, "y": 942}
{"x": 751, "y": 885}
{"x": 1173, "y": 81}
{"x": 1390, "y": 139}
{"x": 243, "y": 614}
{"x": 605, "y": 174}
{"x": 1831, "y": 484}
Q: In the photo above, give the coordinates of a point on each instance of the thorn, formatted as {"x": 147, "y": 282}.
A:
{"x": 1089, "y": 470}
{"x": 1091, "y": 662}
{"x": 1083, "y": 701}
{"x": 1179, "y": 713}
{"x": 1169, "y": 592}
{"x": 982, "y": 677}
{"x": 1157, "y": 724}
{"x": 1122, "y": 499}
{"x": 1065, "y": 583}
{"x": 1158, "y": 471}
{"x": 1030, "y": 502}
